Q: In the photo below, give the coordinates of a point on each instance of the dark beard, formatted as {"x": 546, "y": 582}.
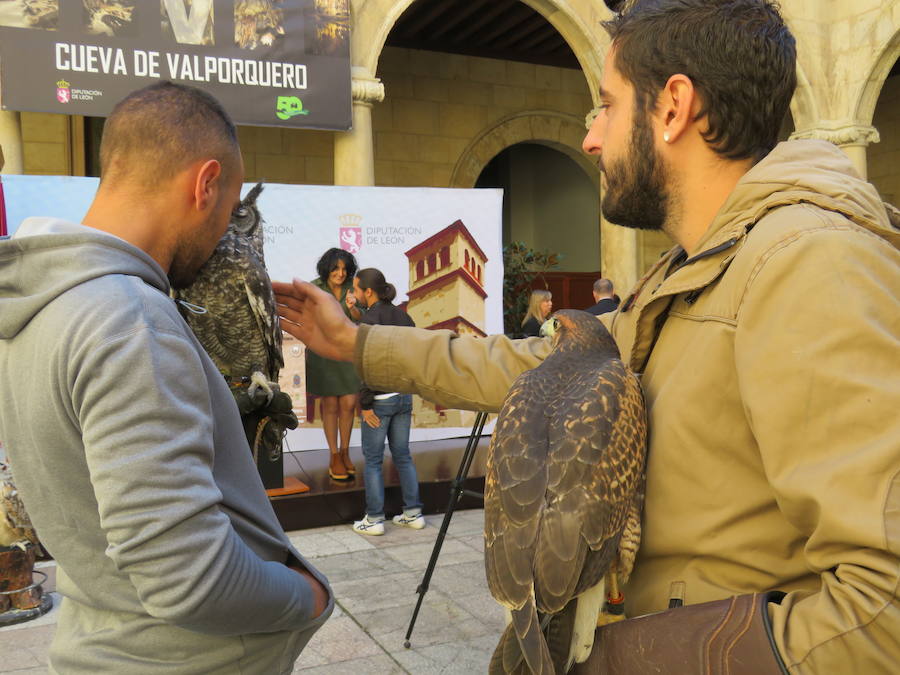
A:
{"x": 636, "y": 194}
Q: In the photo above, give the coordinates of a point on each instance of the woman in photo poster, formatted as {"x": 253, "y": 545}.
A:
{"x": 335, "y": 382}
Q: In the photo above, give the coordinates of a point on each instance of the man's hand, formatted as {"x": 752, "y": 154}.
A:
{"x": 319, "y": 593}
{"x": 371, "y": 418}
{"x": 315, "y": 317}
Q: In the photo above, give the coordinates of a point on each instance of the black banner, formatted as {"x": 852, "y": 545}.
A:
{"x": 270, "y": 62}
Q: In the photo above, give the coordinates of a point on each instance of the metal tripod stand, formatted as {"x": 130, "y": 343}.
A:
{"x": 457, "y": 491}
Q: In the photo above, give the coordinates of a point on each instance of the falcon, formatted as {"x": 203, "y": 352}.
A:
{"x": 15, "y": 525}
{"x": 230, "y": 307}
{"x": 563, "y": 496}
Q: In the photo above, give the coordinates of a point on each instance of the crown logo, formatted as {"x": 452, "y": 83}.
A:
{"x": 350, "y": 220}
{"x": 62, "y": 84}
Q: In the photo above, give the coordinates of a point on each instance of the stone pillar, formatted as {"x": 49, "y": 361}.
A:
{"x": 11, "y": 142}
{"x": 852, "y": 138}
{"x": 354, "y": 150}
{"x": 619, "y": 255}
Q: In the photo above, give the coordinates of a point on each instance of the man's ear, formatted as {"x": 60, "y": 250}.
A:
{"x": 207, "y": 184}
{"x": 678, "y": 106}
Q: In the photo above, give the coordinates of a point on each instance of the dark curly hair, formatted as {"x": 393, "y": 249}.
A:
{"x": 329, "y": 261}
{"x": 739, "y": 54}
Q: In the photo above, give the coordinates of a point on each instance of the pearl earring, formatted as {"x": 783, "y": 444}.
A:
{"x": 666, "y": 136}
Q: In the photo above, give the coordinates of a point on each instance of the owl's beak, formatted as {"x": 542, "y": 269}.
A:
{"x": 548, "y": 329}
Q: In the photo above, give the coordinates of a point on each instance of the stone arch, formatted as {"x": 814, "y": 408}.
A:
{"x": 376, "y": 18}
{"x": 804, "y": 108}
{"x": 556, "y": 130}
{"x": 865, "y": 107}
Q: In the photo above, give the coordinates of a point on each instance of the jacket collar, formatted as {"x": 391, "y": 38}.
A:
{"x": 815, "y": 172}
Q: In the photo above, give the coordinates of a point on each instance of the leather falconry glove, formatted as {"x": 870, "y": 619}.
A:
{"x": 723, "y": 637}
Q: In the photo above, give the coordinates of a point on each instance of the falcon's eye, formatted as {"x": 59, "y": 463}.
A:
{"x": 556, "y": 324}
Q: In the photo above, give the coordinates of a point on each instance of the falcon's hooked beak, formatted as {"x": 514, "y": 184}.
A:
{"x": 549, "y": 328}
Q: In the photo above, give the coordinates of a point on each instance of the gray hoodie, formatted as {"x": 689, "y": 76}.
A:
{"x": 129, "y": 453}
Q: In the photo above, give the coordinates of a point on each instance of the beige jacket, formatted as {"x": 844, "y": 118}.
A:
{"x": 770, "y": 362}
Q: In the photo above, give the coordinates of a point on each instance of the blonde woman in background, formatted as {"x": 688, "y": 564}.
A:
{"x": 539, "y": 307}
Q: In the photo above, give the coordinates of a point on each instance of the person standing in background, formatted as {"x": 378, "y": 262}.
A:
{"x": 385, "y": 415}
{"x": 334, "y": 381}
{"x": 540, "y": 304}
{"x": 605, "y": 298}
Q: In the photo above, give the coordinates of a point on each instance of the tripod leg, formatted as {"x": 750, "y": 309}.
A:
{"x": 456, "y": 492}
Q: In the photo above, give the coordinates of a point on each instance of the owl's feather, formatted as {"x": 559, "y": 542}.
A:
{"x": 240, "y": 328}
{"x": 15, "y": 525}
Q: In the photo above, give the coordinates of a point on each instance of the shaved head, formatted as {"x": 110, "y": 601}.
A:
{"x": 603, "y": 287}
{"x": 158, "y": 131}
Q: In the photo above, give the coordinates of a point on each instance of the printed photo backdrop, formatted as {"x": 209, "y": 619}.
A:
{"x": 441, "y": 249}
{"x": 270, "y": 62}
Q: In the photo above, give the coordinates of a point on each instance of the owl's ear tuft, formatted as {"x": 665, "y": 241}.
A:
{"x": 254, "y": 193}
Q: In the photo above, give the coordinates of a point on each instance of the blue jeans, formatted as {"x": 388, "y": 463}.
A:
{"x": 395, "y": 414}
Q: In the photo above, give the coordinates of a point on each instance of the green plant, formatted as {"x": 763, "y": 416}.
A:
{"x": 521, "y": 266}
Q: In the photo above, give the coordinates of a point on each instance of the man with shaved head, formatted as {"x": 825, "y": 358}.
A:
{"x": 126, "y": 444}
{"x": 605, "y": 299}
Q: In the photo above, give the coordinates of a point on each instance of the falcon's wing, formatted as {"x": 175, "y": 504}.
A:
{"x": 515, "y": 488}
{"x": 597, "y": 440}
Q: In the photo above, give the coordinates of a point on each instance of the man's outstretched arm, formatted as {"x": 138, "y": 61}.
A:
{"x": 448, "y": 369}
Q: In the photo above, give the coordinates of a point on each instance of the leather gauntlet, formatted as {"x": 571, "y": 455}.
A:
{"x": 724, "y": 637}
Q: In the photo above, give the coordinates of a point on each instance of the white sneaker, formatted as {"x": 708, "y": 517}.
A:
{"x": 416, "y": 522}
{"x": 370, "y": 527}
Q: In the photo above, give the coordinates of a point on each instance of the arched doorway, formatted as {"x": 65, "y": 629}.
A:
{"x": 884, "y": 169}
{"x": 550, "y": 204}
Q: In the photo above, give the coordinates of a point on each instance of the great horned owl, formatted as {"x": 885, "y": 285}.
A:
{"x": 15, "y": 525}
{"x": 236, "y": 321}
{"x": 257, "y": 22}
{"x": 231, "y": 309}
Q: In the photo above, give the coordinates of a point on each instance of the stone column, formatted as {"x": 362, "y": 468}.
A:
{"x": 11, "y": 142}
{"x": 354, "y": 150}
{"x": 619, "y": 256}
{"x": 852, "y": 138}
{"x": 619, "y": 246}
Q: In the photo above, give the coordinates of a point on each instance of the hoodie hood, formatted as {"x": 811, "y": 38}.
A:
{"x": 47, "y": 257}
{"x": 802, "y": 171}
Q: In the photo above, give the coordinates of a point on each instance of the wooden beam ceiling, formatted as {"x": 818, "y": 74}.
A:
{"x": 499, "y": 29}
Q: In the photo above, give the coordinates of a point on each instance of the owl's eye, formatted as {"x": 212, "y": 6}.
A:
{"x": 239, "y": 212}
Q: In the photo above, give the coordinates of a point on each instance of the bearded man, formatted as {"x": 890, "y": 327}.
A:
{"x": 127, "y": 445}
{"x": 767, "y": 343}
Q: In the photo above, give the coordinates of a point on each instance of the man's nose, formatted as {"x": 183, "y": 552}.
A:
{"x": 593, "y": 141}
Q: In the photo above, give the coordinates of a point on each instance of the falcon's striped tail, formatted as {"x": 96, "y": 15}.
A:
{"x": 522, "y": 648}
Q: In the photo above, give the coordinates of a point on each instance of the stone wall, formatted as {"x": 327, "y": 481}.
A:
{"x": 436, "y": 104}
{"x": 47, "y": 145}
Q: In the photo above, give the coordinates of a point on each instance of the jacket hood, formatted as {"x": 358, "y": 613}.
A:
{"x": 810, "y": 171}
{"x": 46, "y": 257}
